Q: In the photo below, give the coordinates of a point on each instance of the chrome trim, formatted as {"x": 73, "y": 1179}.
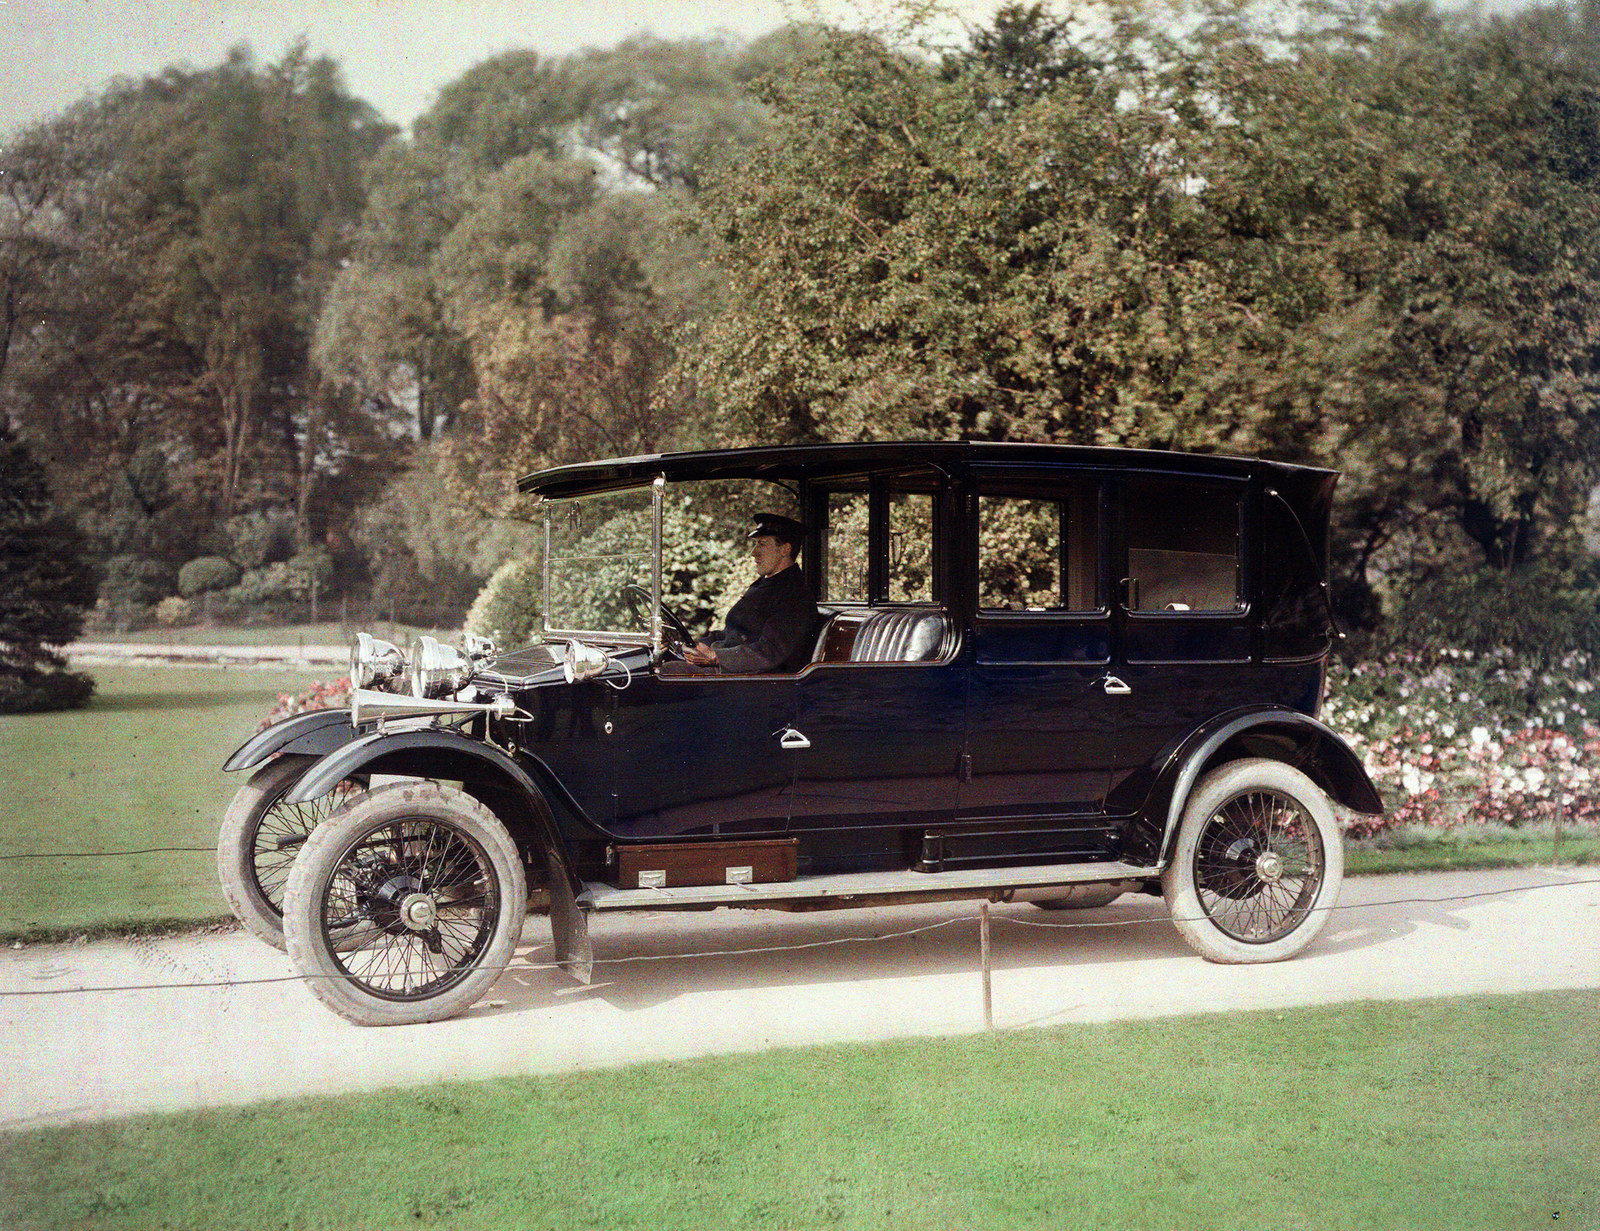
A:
{"x": 1115, "y": 687}
{"x": 544, "y": 603}
{"x": 367, "y": 705}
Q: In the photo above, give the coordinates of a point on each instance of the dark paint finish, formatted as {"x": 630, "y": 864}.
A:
{"x": 316, "y": 733}
{"x": 1039, "y": 737}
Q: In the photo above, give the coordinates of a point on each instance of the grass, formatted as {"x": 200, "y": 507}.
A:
{"x": 1464, "y": 849}
{"x": 140, "y": 768}
{"x": 1466, "y": 1113}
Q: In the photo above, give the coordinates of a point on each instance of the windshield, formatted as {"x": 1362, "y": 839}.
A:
{"x": 599, "y": 546}
{"x": 596, "y": 548}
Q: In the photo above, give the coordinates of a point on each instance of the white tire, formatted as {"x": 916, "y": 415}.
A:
{"x": 1257, "y": 864}
{"x": 429, "y": 883}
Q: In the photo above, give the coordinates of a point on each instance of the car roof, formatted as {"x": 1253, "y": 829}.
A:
{"x": 797, "y": 462}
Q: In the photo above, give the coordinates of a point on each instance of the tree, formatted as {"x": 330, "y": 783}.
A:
{"x": 45, "y": 587}
{"x": 1363, "y": 244}
{"x": 905, "y": 259}
{"x": 197, "y": 219}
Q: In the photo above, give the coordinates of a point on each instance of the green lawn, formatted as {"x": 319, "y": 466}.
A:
{"x": 1577, "y": 846}
{"x": 141, "y": 767}
{"x": 1459, "y": 1114}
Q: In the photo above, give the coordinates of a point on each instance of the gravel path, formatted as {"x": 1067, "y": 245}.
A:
{"x": 276, "y": 657}
{"x": 96, "y": 1055}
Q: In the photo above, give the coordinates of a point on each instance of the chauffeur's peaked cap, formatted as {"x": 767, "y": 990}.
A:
{"x": 784, "y": 529}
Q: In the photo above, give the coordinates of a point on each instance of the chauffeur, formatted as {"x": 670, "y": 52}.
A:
{"x": 770, "y": 628}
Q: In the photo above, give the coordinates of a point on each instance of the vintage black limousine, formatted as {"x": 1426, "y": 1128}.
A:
{"x": 1036, "y": 673}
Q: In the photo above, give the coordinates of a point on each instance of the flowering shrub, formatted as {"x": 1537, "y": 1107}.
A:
{"x": 1454, "y": 738}
{"x": 324, "y": 695}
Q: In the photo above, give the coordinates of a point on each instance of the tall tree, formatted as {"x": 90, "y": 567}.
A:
{"x": 45, "y": 587}
{"x": 203, "y": 218}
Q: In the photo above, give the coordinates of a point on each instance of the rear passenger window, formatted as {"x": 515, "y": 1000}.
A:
{"x": 1183, "y": 547}
{"x": 1038, "y": 555}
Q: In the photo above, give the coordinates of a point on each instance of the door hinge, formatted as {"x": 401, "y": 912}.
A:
{"x": 966, "y": 767}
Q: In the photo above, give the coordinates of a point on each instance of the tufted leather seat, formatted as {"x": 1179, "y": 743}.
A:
{"x": 902, "y": 635}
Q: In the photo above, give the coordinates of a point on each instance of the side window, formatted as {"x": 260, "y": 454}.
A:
{"x": 846, "y": 547}
{"x": 1038, "y": 554}
{"x": 1183, "y": 547}
{"x": 910, "y": 547}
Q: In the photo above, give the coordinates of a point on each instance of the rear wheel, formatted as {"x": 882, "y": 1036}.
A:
{"x": 1257, "y": 865}
{"x": 429, "y": 883}
{"x": 260, "y": 837}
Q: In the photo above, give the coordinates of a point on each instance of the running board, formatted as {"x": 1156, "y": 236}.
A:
{"x": 844, "y": 887}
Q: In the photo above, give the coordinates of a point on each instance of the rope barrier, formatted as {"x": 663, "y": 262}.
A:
{"x": 811, "y": 944}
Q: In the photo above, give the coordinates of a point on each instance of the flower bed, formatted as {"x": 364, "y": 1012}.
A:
{"x": 323, "y": 695}
{"x": 1452, "y": 738}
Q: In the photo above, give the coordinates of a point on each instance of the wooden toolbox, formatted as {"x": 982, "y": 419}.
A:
{"x": 669, "y": 865}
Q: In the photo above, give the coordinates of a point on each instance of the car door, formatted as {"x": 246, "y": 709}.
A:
{"x": 702, "y": 755}
{"x": 1185, "y": 635}
{"x": 1041, "y": 725}
{"x": 883, "y": 728}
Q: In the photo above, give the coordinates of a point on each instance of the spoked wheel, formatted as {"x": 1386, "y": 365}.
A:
{"x": 260, "y": 837}
{"x": 1257, "y": 864}
{"x": 429, "y": 884}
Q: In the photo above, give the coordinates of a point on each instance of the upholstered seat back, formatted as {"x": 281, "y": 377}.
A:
{"x": 901, "y": 635}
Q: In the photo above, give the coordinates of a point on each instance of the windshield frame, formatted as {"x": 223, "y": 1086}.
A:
{"x": 656, "y": 642}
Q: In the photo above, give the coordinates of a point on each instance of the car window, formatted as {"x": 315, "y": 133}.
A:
{"x": 910, "y": 547}
{"x": 847, "y": 547}
{"x": 1183, "y": 547}
{"x": 1039, "y": 555}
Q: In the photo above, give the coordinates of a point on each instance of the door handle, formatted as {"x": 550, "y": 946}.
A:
{"x": 1115, "y": 687}
{"x": 790, "y": 738}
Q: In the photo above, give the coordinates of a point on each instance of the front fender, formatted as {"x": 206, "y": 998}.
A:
{"x": 1279, "y": 734}
{"x": 487, "y": 773}
{"x": 315, "y": 733}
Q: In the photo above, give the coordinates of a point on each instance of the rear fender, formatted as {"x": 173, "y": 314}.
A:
{"x": 489, "y": 775}
{"x": 1280, "y": 735}
{"x": 316, "y": 733}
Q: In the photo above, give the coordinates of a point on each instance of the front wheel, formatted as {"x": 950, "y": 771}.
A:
{"x": 1257, "y": 865}
{"x": 430, "y": 883}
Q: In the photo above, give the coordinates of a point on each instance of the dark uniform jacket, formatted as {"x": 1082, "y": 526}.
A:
{"x": 770, "y": 628}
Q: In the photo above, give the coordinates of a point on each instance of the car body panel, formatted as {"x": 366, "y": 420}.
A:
{"x": 315, "y": 733}
{"x": 1057, "y": 738}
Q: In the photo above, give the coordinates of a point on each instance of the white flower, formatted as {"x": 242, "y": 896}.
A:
{"x": 1534, "y": 777}
{"x": 1480, "y": 736}
{"x": 1448, "y": 730}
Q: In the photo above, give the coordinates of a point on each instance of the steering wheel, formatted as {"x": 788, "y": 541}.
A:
{"x": 678, "y": 638}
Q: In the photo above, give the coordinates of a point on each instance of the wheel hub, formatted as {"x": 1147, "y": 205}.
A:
{"x": 419, "y": 912}
{"x": 1269, "y": 867}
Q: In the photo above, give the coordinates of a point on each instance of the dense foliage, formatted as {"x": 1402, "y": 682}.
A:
{"x": 1354, "y": 236}
{"x": 45, "y": 587}
{"x": 1453, "y": 737}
